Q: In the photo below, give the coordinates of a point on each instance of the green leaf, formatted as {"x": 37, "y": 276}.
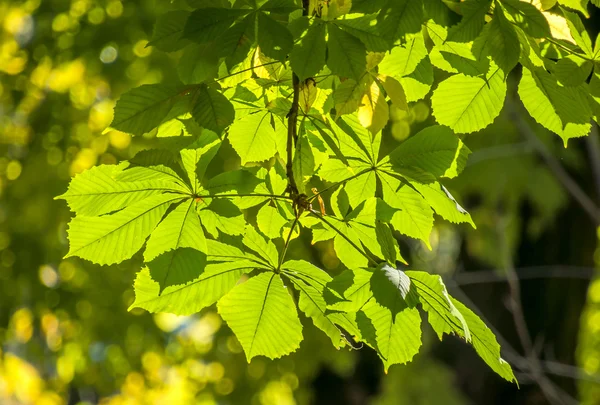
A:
{"x": 214, "y": 282}
{"x": 177, "y": 267}
{"x": 418, "y": 84}
{"x": 363, "y": 28}
{"x": 350, "y": 254}
{"x": 208, "y": 24}
{"x": 528, "y": 18}
{"x": 237, "y": 45}
{"x": 387, "y": 242}
{"x": 395, "y": 92}
{"x": 572, "y": 70}
{"x": 199, "y": 63}
{"x": 114, "y": 238}
{"x": 263, "y": 317}
{"x": 361, "y": 187}
{"x": 96, "y": 191}
{"x": 562, "y": 110}
{"x": 352, "y": 288}
{"x": 579, "y": 5}
{"x": 270, "y": 222}
{"x": 454, "y": 57}
{"x": 410, "y": 65}
{"x": 346, "y": 54}
{"x": 237, "y": 181}
{"x": 348, "y": 94}
{"x": 468, "y": 104}
{"x": 221, "y": 215}
{"x": 392, "y": 325}
{"x": 403, "y": 60}
{"x": 265, "y": 248}
{"x": 310, "y": 282}
{"x": 229, "y": 252}
{"x": 180, "y": 229}
{"x": 274, "y": 39}
{"x": 443, "y": 316}
{"x": 579, "y": 33}
{"x": 485, "y": 342}
{"x": 212, "y": 110}
{"x": 355, "y": 141}
{"x": 143, "y": 108}
{"x": 153, "y": 164}
{"x": 469, "y": 28}
{"x": 334, "y": 170}
{"x": 400, "y": 17}
{"x": 254, "y": 138}
{"x": 414, "y": 217}
{"x": 443, "y": 203}
{"x": 168, "y": 31}
{"x": 280, "y": 6}
{"x": 499, "y": 40}
{"x": 308, "y": 56}
{"x": 432, "y": 153}
{"x": 197, "y": 156}
{"x": 304, "y": 160}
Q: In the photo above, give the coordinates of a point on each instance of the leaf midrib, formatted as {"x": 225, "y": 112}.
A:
{"x": 260, "y": 315}
{"x": 486, "y": 82}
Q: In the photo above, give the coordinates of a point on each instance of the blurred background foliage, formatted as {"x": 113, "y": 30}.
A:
{"x": 66, "y": 336}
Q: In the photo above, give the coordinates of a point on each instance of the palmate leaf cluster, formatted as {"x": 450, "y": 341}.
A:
{"x": 302, "y": 91}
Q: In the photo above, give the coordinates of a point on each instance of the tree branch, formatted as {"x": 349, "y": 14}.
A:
{"x": 516, "y": 309}
{"x": 554, "y": 165}
{"x": 292, "y": 136}
{"x": 511, "y": 354}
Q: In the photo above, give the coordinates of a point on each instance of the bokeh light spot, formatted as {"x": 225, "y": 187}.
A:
{"x": 13, "y": 170}
{"x": 119, "y": 140}
{"x": 48, "y": 276}
{"x": 96, "y": 16}
{"x": 114, "y": 9}
{"x": 108, "y": 54}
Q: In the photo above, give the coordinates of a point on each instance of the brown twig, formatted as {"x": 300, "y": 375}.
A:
{"x": 516, "y": 309}
{"x": 510, "y": 353}
{"x": 554, "y": 165}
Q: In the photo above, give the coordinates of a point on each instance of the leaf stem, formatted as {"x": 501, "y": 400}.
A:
{"x": 566, "y": 49}
{"x": 280, "y": 197}
{"x": 245, "y": 70}
{"x": 362, "y": 252}
{"x": 287, "y": 242}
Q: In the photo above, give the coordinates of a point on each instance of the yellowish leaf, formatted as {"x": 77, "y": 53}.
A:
{"x": 374, "y": 59}
{"x": 335, "y": 8}
{"x": 558, "y": 24}
{"x": 374, "y": 111}
{"x": 264, "y": 67}
{"x": 348, "y": 95}
{"x": 395, "y": 91}
{"x": 308, "y": 95}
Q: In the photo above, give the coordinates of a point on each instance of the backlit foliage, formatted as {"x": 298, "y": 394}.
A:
{"x": 302, "y": 93}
